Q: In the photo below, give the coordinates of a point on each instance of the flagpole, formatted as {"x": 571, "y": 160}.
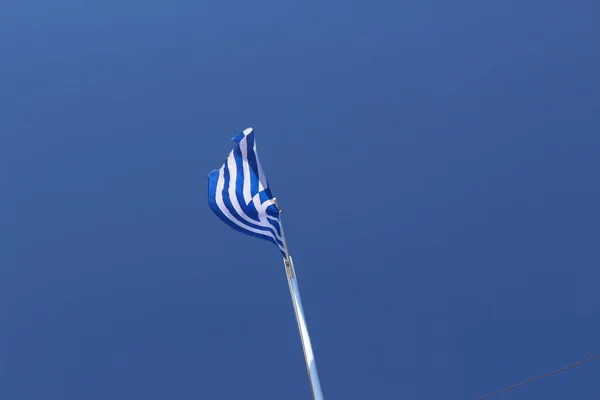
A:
{"x": 309, "y": 358}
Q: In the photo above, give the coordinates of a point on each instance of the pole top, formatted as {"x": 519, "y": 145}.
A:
{"x": 277, "y": 205}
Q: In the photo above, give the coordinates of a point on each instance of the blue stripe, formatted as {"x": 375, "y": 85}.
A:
{"x": 275, "y": 225}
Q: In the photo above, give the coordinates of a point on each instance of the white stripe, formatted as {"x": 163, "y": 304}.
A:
{"x": 262, "y": 178}
{"x": 247, "y": 178}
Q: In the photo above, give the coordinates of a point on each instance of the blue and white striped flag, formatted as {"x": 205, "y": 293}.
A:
{"x": 239, "y": 194}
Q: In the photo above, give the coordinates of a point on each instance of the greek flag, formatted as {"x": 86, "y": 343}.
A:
{"x": 239, "y": 194}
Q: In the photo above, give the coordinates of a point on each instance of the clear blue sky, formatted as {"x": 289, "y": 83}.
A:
{"x": 438, "y": 163}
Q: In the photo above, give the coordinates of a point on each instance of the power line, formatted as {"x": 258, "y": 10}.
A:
{"x": 539, "y": 377}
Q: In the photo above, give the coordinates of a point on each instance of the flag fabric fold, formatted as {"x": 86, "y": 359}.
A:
{"x": 238, "y": 193}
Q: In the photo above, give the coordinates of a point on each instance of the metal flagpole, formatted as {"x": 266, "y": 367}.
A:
{"x": 311, "y": 366}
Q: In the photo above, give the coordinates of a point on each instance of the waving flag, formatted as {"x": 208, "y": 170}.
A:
{"x": 239, "y": 194}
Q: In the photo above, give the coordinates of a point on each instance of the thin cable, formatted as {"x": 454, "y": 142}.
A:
{"x": 539, "y": 377}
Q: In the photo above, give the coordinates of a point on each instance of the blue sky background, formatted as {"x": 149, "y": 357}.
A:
{"x": 437, "y": 163}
